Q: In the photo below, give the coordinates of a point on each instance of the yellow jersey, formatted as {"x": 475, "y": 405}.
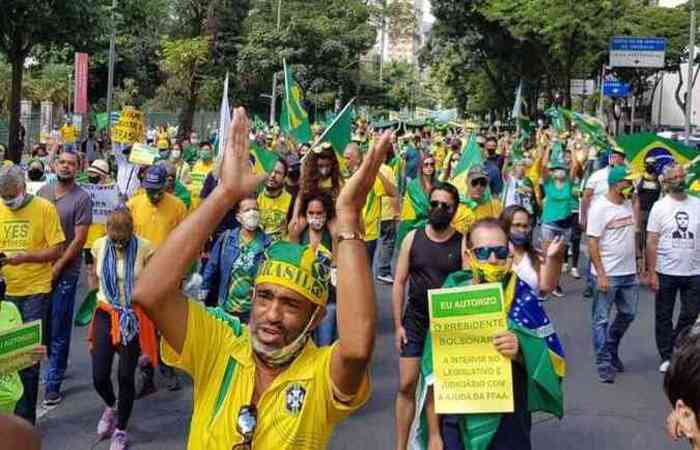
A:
{"x": 388, "y": 209}
{"x": 156, "y": 222}
{"x": 198, "y": 175}
{"x": 465, "y": 216}
{"x": 273, "y": 214}
{"x": 298, "y": 411}
{"x": 372, "y": 211}
{"x": 95, "y": 231}
{"x": 33, "y": 227}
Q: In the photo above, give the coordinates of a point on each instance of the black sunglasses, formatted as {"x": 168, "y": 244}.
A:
{"x": 245, "y": 425}
{"x": 444, "y": 205}
{"x": 484, "y": 253}
{"x": 480, "y": 182}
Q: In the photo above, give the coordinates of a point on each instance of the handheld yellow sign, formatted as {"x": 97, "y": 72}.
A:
{"x": 143, "y": 155}
{"x": 470, "y": 375}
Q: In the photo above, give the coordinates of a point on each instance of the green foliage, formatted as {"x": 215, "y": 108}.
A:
{"x": 50, "y": 83}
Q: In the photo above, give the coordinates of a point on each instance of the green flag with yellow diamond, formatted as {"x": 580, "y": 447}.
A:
{"x": 293, "y": 119}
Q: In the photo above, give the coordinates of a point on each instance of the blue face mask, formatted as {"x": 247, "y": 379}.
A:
{"x": 520, "y": 239}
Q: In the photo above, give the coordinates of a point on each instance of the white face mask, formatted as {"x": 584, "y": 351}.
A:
{"x": 15, "y": 203}
{"x": 250, "y": 220}
{"x": 282, "y": 356}
{"x": 175, "y": 155}
{"x": 316, "y": 223}
{"x": 325, "y": 171}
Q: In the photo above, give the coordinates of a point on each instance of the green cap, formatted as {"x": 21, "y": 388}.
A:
{"x": 619, "y": 173}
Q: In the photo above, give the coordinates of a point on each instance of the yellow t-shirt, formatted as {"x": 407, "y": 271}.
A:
{"x": 298, "y": 411}
{"x": 143, "y": 254}
{"x": 198, "y": 174}
{"x": 95, "y": 231}
{"x": 156, "y": 222}
{"x": 163, "y": 141}
{"x": 69, "y": 134}
{"x": 465, "y": 216}
{"x": 439, "y": 153}
{"x": 388, "y": 212}
{"x": 372, "y": 211}
{"x": 273, "y": 214}
{"x": 34, "y": 227}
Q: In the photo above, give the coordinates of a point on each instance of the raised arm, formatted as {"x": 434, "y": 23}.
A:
{"x": 157, "y": 288}
{"x": 356, "y": 303}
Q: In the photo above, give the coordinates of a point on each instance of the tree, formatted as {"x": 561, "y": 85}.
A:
{"x": 25, "y": 24}
{"x": 322, "y": 40}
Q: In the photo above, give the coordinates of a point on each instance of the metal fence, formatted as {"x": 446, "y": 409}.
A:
{"x": 204, "y": 123}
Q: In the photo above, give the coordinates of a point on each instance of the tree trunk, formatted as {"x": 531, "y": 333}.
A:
{"x": 15, "y": 145}
{"x": 187, "y": 113}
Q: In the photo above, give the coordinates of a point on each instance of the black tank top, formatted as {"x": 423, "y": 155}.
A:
{"x": 430, "y": 264}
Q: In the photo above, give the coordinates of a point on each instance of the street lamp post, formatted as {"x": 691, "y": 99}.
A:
{"x": 273, "y": 98}
{"x": 689, "y": 82}
{"x": 110, "y": 73}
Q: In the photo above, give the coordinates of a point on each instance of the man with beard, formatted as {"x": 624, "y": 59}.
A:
{"x": 427, "y": 257}
{"x": 673, "y": 260}
{"x": 266, "y": 385}
{"x": 274, "y": 203}
{"x": 75, "y": 211}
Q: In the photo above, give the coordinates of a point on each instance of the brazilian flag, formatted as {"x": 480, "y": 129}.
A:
{"x": 414, "y": 210}
{"x": 264, "y": 159}
{"x": 639, "y": 146}
{"x": 294, "y": 120}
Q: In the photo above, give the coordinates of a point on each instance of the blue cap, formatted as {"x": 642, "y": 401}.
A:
{"x": 154, "y": 178}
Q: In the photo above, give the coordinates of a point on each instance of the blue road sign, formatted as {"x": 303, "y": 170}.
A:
{"x": 649, "y": 52}
{"x": 615, "y": 88}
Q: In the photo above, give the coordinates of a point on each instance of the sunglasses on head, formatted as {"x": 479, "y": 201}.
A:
{"x": 245, "y": 425}
{"x": 484, "y": 253}
{"x": 438, "y": 204}
{"x": 480, "y": 182}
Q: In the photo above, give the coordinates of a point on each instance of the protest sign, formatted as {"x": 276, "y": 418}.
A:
{"x": 105, "y": 198}
{"x": 143, "y": 155}
{"x": 470, "y": 375}
{"x": 130, "y": 127}
{"x": 197, "y": 182}
{"x": 17, "y": 345}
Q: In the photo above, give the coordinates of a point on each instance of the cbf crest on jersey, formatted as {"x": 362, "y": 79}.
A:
{"x": 294, "y": 398}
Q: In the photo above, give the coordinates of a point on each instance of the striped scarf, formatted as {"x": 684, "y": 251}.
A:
{"x": 128, "y": 323}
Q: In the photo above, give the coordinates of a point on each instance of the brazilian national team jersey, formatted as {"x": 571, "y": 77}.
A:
{"x": 298, "y": 411}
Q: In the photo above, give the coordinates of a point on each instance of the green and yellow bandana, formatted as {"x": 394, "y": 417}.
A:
{"x": 299, "y": 268}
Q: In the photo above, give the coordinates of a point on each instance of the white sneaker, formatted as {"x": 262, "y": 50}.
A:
{"x": 388, "y": 279}
{"x": 574, "y": 273}
{"x": 564, "y": 267}
{"x": 664, "y": 366}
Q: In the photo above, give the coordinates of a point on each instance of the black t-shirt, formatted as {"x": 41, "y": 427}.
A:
{"x": 429, "y": 265}
{"x": 648, "y": 192}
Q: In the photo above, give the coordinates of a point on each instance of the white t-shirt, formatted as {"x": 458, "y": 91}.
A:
{"x": 678, "y": 226}
{"x": 615, "y": 229}
{"x": 525, "y": 270}
{"x": 598, "y": 182}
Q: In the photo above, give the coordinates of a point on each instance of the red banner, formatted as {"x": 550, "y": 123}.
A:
{"x": 81, "y": 74}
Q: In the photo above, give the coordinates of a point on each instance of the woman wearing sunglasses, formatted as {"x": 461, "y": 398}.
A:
{"x": 527, "y": 263}
{"x": 530, "y": 342}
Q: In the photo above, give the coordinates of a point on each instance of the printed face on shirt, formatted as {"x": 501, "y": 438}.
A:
{"x": 682, "y": 220}
{"x": 278, "y": 315}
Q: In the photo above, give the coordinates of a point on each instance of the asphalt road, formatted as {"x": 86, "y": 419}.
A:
{"x": 626, "y": 415}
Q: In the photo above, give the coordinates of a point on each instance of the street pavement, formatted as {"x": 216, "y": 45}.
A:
{"x": 623, "y": 416}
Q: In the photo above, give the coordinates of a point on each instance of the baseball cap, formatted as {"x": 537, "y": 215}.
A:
{"x": 477, "y": 171}
{"x": 619, "y": 173}
{"x": 99, "y": 167}
{"x": 154, "y": 178}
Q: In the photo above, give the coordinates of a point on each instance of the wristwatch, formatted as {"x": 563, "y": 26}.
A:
{"x": 348, "y": 236}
